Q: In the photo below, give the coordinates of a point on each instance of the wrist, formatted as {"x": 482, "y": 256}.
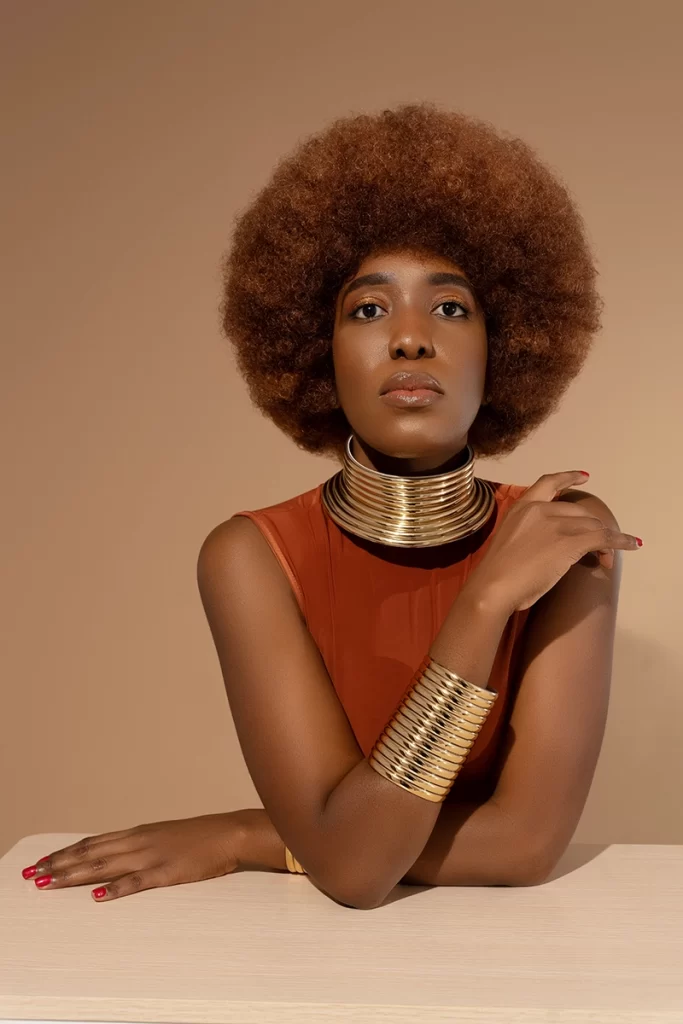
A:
{"x": 471, "y": 632}
{"x": 487, "y": 598}
{"x": 259, "y": 847}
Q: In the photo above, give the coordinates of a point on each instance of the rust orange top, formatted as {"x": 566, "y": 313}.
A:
{"x": 374, "y": 611}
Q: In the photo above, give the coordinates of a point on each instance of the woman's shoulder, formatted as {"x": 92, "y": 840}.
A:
{"x": 296, "y": 516}
{"x": 295, "y": 509}
{"x": 293, "y": 530}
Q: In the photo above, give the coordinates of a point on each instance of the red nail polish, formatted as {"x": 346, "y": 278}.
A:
{"x": 639, "y": 542}
{"x": 29, "y": 872}
{"x": 42, "y": 860}
{"x": 584, "y": 472}
{"x": 99, "y": 893}
{"x": 42, "y": 882}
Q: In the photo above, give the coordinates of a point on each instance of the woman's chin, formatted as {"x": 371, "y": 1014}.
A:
{"x": 422, "y": 447}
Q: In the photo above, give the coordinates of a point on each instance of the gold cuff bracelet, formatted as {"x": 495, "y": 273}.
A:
{"x": 424, "y": 745}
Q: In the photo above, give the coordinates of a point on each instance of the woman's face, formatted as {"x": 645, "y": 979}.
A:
{"x": 409, "y": 350}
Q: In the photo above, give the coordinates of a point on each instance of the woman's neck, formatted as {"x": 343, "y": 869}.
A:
{"x": 371, "y": 458}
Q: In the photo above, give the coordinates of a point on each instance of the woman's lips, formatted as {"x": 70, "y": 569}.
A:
{"x": 414, "y": 399}
{"x": 410, "y": 389}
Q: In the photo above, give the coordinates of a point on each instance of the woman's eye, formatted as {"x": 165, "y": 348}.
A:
{"x": 366, "y": 306}
{"x": 451, "y": 308}
{"x": 457, "y": 305}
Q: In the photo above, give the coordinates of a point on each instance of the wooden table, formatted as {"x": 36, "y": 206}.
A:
{"x": 600, "y": 941}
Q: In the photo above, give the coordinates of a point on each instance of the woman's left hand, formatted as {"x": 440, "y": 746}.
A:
{"x": 147, "y": 856}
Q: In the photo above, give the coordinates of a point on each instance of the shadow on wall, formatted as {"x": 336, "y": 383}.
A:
{"x": 636, "y": 791}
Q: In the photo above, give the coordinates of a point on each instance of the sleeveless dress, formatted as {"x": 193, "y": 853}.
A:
{"x": 374, "y": 610}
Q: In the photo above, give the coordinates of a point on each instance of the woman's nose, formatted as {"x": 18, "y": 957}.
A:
{"x": 410, "y": 341}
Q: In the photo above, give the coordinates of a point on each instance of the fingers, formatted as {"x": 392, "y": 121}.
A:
{"x": 601, "y": 556}
{"x": 97, "y": 869}
{"x": 115, "y": 863}
{"x": 606, "y": 541}
{"x": 587, "y": 534}
{"x": 600, "y": 546}
{"x": 591, "y": 532}
{"x": 89, "y": 860}
{"x": 80, "y": 850}
{"x": 128, "y": 884}
{"x": 550, "y": 485}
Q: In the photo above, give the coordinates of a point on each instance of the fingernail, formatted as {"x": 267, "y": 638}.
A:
{"x": 29, "y": 872}
{"x": 42, "y": 882}
{"x": 583, "y": 472}
{"x": 43, "y": 860}
{"x": 639, "y": 542}
{"x": 99, "y": 893}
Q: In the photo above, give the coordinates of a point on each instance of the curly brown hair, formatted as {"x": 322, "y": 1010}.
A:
{"x": 420, "y": 177}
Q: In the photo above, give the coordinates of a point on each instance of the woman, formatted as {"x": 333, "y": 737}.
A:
{"x": 417, "y": 660}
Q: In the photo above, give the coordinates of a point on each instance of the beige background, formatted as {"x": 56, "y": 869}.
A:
{"x": 135, "y": 131}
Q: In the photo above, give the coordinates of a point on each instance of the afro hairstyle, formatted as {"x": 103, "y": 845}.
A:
{"x": 421, "y": 177}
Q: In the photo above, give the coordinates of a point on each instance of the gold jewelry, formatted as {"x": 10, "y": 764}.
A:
{"x": 424, "y": 745}
{"x": 293, "y": 864}
{"x": 407, "y": 511}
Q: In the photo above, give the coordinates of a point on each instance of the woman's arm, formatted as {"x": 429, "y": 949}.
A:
{"x": 481, "y": 828}
{"x": 558, "y": 721}
{"x": 550, "y": 750}
{"x": 554, "y": 737}
{"x": 356, "y": 833}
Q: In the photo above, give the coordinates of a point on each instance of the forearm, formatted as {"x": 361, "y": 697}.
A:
{"x": 474, "y": 843}
{"x": 377, "y": 829}
{"x": 371, "y": 832}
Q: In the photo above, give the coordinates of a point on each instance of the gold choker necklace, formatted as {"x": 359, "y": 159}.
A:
{"x": 408, "y": 511}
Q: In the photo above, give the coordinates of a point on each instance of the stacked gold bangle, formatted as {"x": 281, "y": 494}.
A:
{"x": 293, "y": 864}
{"x": 408, "y": 511}
{"x": 425, "y": 743}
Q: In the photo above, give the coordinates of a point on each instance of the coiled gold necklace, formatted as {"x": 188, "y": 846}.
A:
{"x": 407, "y": 511}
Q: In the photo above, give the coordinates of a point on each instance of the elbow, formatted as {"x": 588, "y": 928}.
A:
{"x": 364, "y": 899}
{"x": 358, "y": 882}
{"x": 535, "y": 866}
{"x": 360, "y": 901}
{"x": 359, "y": 892}
{"x": 360, "y": 896}
{"x": 529, "y": 875}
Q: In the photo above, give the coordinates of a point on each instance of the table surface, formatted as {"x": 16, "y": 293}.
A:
{"x": 600, "y": 941}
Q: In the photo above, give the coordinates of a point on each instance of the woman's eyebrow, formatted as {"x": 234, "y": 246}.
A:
{"x": 444, "y": 277}
{"x": 437, "y": 277}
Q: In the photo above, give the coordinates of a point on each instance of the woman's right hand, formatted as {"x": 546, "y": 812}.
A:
{"x": 539, "y": 539}
{"x": 147, "y": 857}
